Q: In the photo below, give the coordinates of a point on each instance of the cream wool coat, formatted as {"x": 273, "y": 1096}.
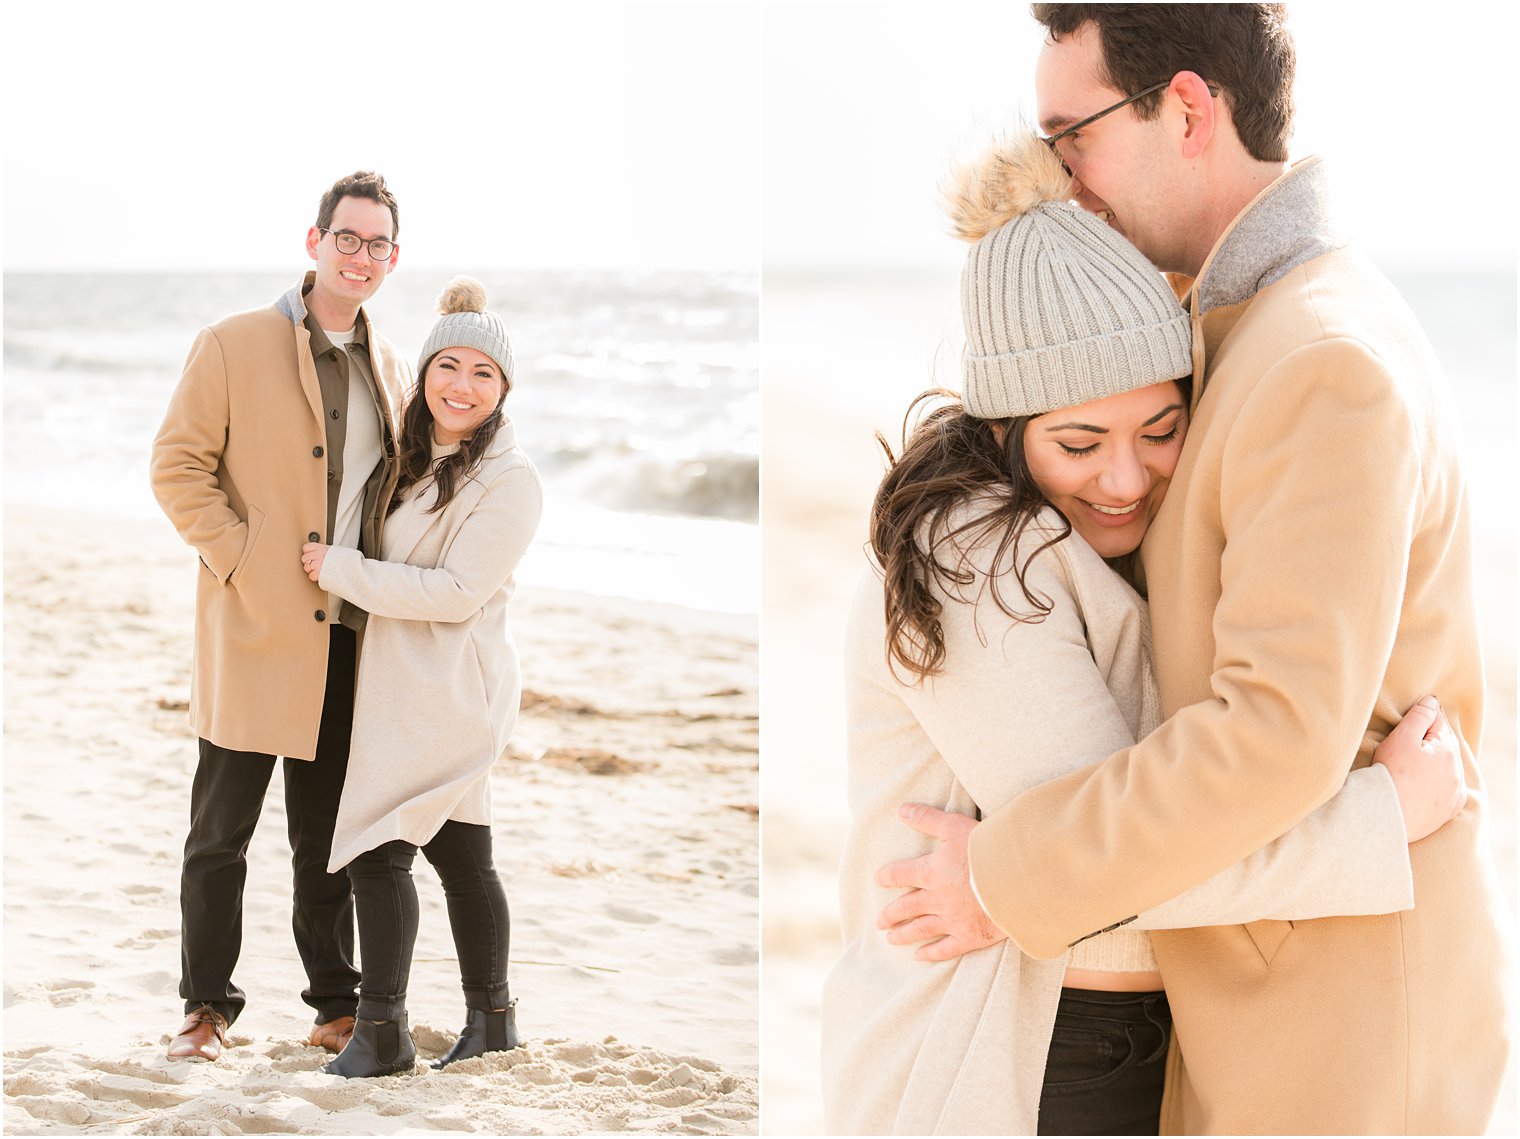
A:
{"x": 959, "y": 1047}
{"x": 1310, "y": 577}
{"x": 438, "y": 687}
{"x": 239, "y": 468}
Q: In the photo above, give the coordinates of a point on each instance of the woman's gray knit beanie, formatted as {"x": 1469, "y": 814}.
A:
{"x": 465, "y": 323}
{"x": 1059, "y": 308}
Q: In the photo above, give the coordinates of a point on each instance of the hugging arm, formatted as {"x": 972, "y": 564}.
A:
{"x": 481, "y": 556}
{"x": 1300, "y": 648}
{"x": 1023, "y": 702}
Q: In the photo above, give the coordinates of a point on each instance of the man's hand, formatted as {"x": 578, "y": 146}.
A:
{"x": 939, "y": 903}
{"x": 313, "y": 554}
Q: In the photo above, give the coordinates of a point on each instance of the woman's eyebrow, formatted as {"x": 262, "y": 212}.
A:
{"x": 1160, "y": 415}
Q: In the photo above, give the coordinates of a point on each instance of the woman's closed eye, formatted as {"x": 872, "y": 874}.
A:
{"x": 1087, "y": 450}
{"x": 1153, "y": 440}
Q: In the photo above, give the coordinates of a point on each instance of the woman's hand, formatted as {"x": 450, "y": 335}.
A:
{"x": 313, "y": 554}
{"x": 1425, "y": 760}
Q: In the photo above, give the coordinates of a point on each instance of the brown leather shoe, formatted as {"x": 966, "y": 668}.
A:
{"x": 333, "y": 1035}
{"x": 201, "y": 1037}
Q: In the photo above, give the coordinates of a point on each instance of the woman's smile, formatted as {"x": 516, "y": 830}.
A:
{"x": 1106, "y": 464}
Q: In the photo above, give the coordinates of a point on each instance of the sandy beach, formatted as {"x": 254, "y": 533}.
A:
{"x": 626, "y": 835}
{"x": 828, "y": 387}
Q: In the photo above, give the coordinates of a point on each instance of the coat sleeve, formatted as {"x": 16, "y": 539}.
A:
{"x": 186, "y": 454}
{"x": 1017, "y": 700}
{"x": 480, "y": 557}
{"x": 1347, "y": 858}
{"x": 1023, "y": 696}
{"x": 1319, "y": 498}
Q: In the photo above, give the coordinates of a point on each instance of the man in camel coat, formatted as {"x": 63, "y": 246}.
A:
{"x": 1310, "y": 577}
{"x": 281, "y": 431}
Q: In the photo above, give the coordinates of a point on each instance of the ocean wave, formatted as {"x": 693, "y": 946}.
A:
{"x": 55, "y": 358}
{"x": 725, "y": 486}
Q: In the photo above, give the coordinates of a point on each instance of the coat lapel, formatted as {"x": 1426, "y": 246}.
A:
{"x": 293, "y": 306}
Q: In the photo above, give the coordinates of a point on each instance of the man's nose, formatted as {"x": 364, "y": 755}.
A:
{"x": 1085, "y": 197}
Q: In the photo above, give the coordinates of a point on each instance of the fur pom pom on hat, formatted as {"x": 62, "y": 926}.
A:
{"x": 464, "y": 323}
{"x": 1059, "y": 308}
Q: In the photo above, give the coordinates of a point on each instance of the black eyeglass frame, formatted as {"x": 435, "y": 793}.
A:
{"x": 368, "y": 242}
{"x": 1051, "y": 140}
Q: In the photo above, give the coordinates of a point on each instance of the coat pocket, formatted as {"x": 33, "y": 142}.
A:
{"x": 255, "y": 528}
{"x": 1268, "y": 936}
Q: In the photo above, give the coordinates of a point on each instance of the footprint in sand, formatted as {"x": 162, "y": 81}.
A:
{"x": 630, "y": 914}
{"x": 147, "y": 939}
{"x": 54, "y": 1110}
{"x": 27, "y": 1053}
{"x": 159, "y": 983}
{"x": 110, "y": 1088}
{"x": 55, "y": 993}
{"x": 135, "y": 1070}
{"x": 734, "y": 955}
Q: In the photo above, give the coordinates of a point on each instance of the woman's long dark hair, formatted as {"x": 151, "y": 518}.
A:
{"x": 947, "y": 457}
{"x": 416, "y": 443}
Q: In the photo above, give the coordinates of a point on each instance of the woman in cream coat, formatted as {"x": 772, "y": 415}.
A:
{"x": 438, "y": 686}
{"x": 995, "y": 648}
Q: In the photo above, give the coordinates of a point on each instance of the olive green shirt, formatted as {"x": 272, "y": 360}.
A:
{"x": 333, "y": 366}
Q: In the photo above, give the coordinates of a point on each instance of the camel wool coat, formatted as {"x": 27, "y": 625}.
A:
{"x": 239, "y": 467}
{"x": 439, "y": 685}
{"x": 1310, "y": 577}
{"x": 959, "y": 1047}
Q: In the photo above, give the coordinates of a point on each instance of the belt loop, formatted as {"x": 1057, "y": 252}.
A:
{"x": 1149, "y": 1009}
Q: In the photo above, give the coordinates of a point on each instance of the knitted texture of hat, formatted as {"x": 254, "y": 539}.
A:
{"x": 1059, "y": 308}
{"x": 465, "y": 323}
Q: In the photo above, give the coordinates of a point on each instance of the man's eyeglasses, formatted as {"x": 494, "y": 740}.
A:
{"x": 348, "y": 243}
{"x": 1051, "y": 140}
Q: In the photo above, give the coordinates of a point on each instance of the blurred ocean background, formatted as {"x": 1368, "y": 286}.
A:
{"x": 636, "y": 395}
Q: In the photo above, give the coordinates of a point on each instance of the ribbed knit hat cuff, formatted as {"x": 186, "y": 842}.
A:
{"x": 481, "y": 331}
{"x": 1036, "y": 380}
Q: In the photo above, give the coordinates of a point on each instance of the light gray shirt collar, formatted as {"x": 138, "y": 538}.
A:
{"x": 1289, "y": 223}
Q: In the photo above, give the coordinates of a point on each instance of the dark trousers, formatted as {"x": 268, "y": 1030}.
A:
{"x": 1107, "y": 1064}
{"x": 386, "y": 898}
{"x": 225, "y": 801}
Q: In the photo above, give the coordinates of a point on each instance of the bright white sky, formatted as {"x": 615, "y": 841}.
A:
{"x": 171, "y": 135}
{"x": 864, "y": 105}
{"x": 628, "y": 135}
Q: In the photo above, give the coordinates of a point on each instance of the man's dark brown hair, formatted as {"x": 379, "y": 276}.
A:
{"x": 359, "y": 184}
{"x": 1243, "y": 49}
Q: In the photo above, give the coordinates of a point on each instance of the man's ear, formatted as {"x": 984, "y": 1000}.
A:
{"x": 313, "y": 239}
{"x": 1197, "y": 106}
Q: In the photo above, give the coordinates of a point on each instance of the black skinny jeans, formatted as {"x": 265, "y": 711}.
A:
{"x": 386, "y": 898}
{"x": 1107, "y": 1064}
{"x": 225, "y": 801}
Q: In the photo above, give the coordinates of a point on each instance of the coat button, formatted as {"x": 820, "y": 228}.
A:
{"x": 316, "y": 452}
{"x": 321, "y": 616}
{"x": 329, "y": 476}
{"x": 335, "y": 413}
{"x": 314, "y": 537}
